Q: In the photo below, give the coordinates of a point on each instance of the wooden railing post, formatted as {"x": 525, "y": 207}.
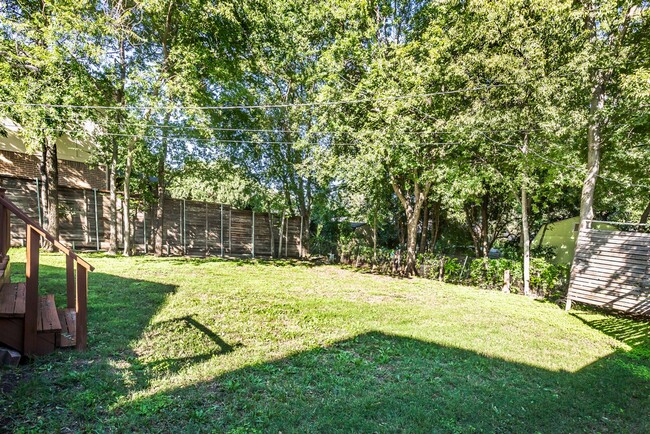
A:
{"x": 5, "y": 227}
{"x": 81, "y": 307}
{"x": 31, "y": 294}
{"x": 71, "y": 286}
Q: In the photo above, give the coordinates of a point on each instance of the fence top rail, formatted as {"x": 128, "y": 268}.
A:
{"x": 621, "y": 223}
{"x": 42, "y": 232}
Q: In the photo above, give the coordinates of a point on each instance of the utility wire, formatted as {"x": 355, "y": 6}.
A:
{"x": 570, "y": 166}
{"x": 260, "y": 106}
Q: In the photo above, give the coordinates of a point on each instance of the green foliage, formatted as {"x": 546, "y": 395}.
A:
{"x": 546, "y": 279}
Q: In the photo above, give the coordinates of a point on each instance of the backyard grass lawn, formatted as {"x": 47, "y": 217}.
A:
{"x": 179, "y": 345}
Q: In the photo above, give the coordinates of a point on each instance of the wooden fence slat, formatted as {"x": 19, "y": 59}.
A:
{"x": 612, "y": 269}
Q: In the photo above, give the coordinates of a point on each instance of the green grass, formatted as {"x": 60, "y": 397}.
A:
{"x": 180, "y": 345}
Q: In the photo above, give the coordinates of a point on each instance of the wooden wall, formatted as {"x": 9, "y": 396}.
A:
{"x": 611, "y": 269}
{"x": 189, "y": 228}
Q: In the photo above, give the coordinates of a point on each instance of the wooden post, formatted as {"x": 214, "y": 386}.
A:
{"x": 5, "y": 227}
{"x": 96, "y": 222}
{"x": 221, "y": 229}
{"x": 144, "y": 229}
{"x": 286, "y": 240}
{"x": 568, "y": 303}
{"x": 280, "y": 235}
{"x": 506, "y": 281}
{"x": 31, "y": 293}
{"x": 253, "y": 245}
{"x": 230, "y": 231}
{"x": 441, "y": 272}
{"x": 81, "y": 308}
{"x": 300, "y": 239}
{"x": 184, "y": 218}
{"x": 3, "y": 240}
{"x": 71, "y": 287}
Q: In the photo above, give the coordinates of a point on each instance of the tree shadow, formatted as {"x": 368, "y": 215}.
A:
{"x": 376, "y": 382}
{"x": 119, "y": 308}
{"x": 243, "y": 260}
{"x": 86, "y": 384}
{"x": 634, "y": 332}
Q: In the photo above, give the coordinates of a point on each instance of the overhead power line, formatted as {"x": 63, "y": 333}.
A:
{"x": 259, "y": 106}
{"x": 568, "y": 166}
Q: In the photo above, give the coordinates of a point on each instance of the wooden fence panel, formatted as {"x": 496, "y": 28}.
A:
{"x": 189, "y": 227}
{"x": 611, "y": 269}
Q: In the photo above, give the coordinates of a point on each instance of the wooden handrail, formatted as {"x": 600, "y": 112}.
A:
{"x": 76, "y": 286}
{"x": 42, "y": 232}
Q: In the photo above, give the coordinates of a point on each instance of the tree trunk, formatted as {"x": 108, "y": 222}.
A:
{"x": 160, "y": 207}
{"x": 485, "y": 248}
{"x": 412, "y": 241}
{"x": 374, "y": 237}
{"x": 160, "y": 211}
{"x": 127, "y": 233}
{"x": 425, "y": 229}
{"x": 594, "y": 143}
{"x": 52, "y": 174}
{"x": 435, "y": 230}
{"x": 599, "y": 80}
{"x": 120, "y": 100}
{"x": 644, "y": 217}
{"x": 43, "y": 186}
{"x": 112, "y": 186}
{"x": 412, "y": 208}
{"x": 525, "y": 229}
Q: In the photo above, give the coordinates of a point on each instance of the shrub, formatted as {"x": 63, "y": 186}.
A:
{"x": 546, "y": 279}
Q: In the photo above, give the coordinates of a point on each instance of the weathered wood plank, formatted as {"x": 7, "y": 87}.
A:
{"x": 590, "y": 281}
{"x": 614, "y": 234}
{"x": 630, "y": 297}
{"x": 640, "y": 308}
{"x": 623, "y": 298}
{"x": 68, "y": 334}
{"x": 613, "y": 260}
{"x": 612, "y": 269}
{"x": 12, "y": 300}
{"x": 48, "y": 319}
{"x": 604, "y": 263}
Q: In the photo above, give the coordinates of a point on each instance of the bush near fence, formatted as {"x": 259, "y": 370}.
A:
{"x": 546, "y": 279}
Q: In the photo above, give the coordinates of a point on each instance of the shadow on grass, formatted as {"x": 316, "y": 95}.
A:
{"x": 374, "y": 382}
{"x": 383, "y": 383}
{"x": 281, "y": 262}
{"x": 634, "y": 332}
{"x": 70, "y": 390}
{"x": 119, "y": 308}
{"x": 364, "y": 269}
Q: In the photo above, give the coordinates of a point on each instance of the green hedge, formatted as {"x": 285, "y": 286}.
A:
{"x": 546, "y": 279}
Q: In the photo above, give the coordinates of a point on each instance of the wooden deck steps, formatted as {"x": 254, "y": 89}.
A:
{"x": 12, "y": 300}
{"x": 54, "y": 328}
{"x": 29, "y": 322}
{"x": 68, "y": 335}
{"x": 12, "y": 305}
{"x": 48, "y": 318}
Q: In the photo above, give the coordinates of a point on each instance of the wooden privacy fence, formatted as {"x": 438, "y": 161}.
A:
{"x": 611, "y": 269}
{"x": 189, "y": 227}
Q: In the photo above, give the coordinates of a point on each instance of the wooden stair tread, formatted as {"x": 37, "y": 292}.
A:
{"x": 12, "y": 300}
{"x": 68, "y": 334}
{"x": 48, "y": 318}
